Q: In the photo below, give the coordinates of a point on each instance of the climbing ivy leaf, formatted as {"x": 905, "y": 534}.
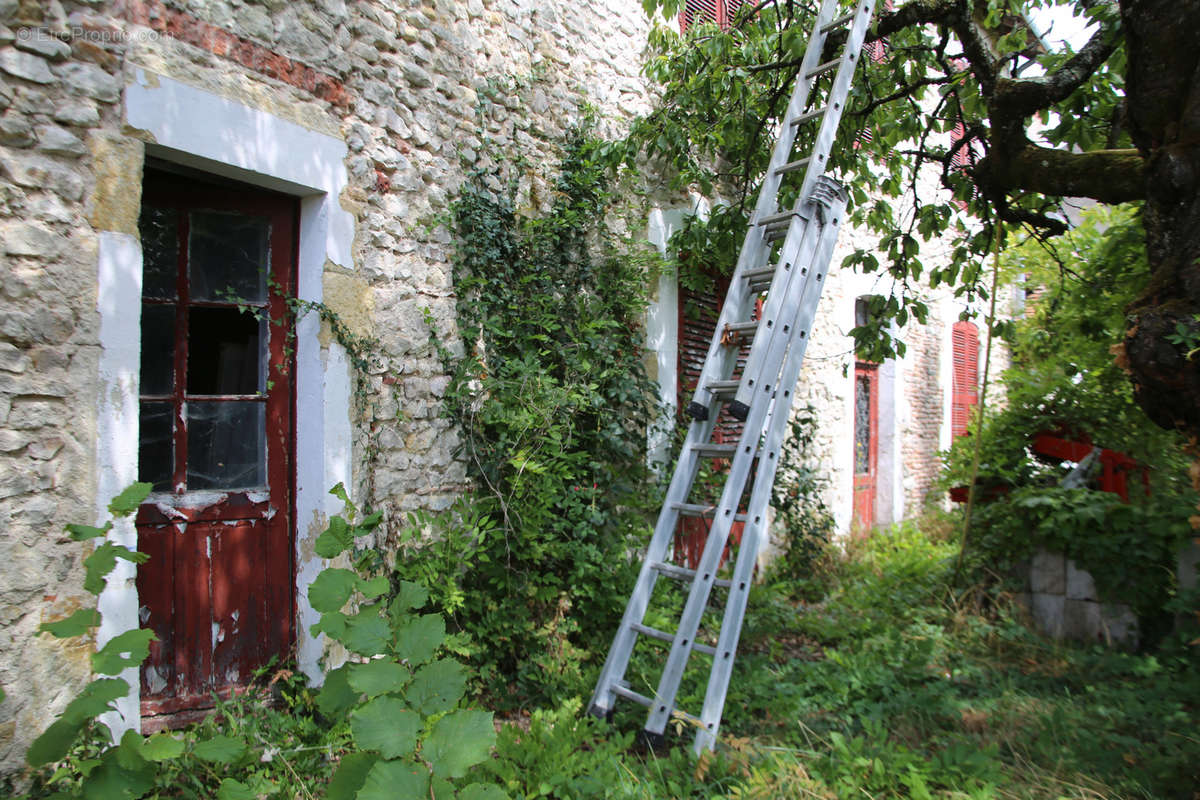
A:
{"x": 459, "y": 741}
{"x": 389, "y": 780}
{"x": 386, "y": 725}
{"x": 82, "y": 533}
{"x": 378, "y": 677}
{"x": 335, "y": 539}
{"x": 437, "y": 686}
{"x": 128, "y": 649}
{"x": 128, "y": 501}
{"x": 331, "y": 589}
{"x": 367, "y": 633}
{"x": 418, "y": 639}
{"x": 336, "y": 696}
{"x": 101, "y": 562}
{"x": 77, "y": 624}
{"x": 350, "y": 775}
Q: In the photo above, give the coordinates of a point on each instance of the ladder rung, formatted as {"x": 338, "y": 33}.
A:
{"x": 715, "y": 450}
{"x": 630, "y": 694}
{"x": 663, "y": 636}
{"x": 821, "y": 69}
{"x": 837, "y": 23}
{"x": 759, "y": 276}
{"x": 683, "y": 573}
{"x": 809, "y": 115}
{"x": 777, "y": 233}
{"x": 782, "y": 216}
{"x": 792, "y": 166}
{"x": 741, "y": 327}
{"x": 722, "y": 388}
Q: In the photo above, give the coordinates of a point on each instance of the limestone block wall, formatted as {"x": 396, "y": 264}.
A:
{"x": 1062, "y": 600}
{"x": 385, "y": 106}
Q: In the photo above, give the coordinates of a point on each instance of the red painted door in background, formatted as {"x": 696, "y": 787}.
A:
{"x": 866, "y": 442}
{"x": 215, "y": 439}
{"x": 965, "y": 380}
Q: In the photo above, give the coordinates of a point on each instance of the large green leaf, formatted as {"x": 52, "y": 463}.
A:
{"x": 79, "y": 623}
{"x": 54, "y": 742}
{"x": 96, "y": 698}
{"x": 396, "y": 780}
{"x": 161, "y": 747}
{"x": 437, "y": 686}
{"x": 112, "y": 781}
{"x": 375, "y": 586}
{"x": 367, "y": 633}
{"x": 82, "y": 533}
{"x": 220, "y": 748}
{"x": 101, "y": 562}
{"x": 350, "y": 775}
{"x": 482, "y": 791}
{"x": 332, "y": 623}
{"x": 128, "y": 501}
{"x": 386, "y": 725}
{"x": 411, "y": 595}
{"x": 232, "y": 789}
{"x": 128, "y": 649}
{"x": 378, "y": 677}
{"x": 459, "y": 741}
{"x": 331, "y": 589}
{"x": 336, "y": 697}
{"x": 335, "y": 539}
{"x": 419, "y": 638}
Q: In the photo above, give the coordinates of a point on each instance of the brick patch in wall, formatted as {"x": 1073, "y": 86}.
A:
{"x": 154, "y": 14}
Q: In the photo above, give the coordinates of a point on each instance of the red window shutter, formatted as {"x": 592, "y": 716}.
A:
{"x": 965, "y": 383}
{"x": 721, "y": 12}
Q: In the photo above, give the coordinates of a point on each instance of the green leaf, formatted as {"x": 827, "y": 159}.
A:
{"x": 331, "y": 589}
{"x": 232, "y": 789}
{"x": 82, "y": 533}
{"x": 419, "y": 638}
{"x": 411, "y": 595}
{"x": 96, "y": 698}
{"x": 374, "y": 587}
{"x": 367, "y": 633}
{"x": 54, "y": 742}
{"x": 128, "y": 501}
{"x": 459, "y": 741}
{"x": 128, "y": 649}
{"x": 101, "y": 562}
{"x": 350, "y": 775}
{"x": 395, "y": 780}
{"x": 334, "y": 540}
{"x": 482, "y": 791}
{"x": 111, "y": 781}
{"x": 336, "y": 697}
{"x": 77, "y": 624}
{"x": 437, "y": 686}
{"x": 161, "y": 747}
{"x": 221, "y": 749}
{"x": 378, "y": 677}
{"x": 385, "y": 724}
{"x": 129, "y": 751}
{"x": 333, "y": 623}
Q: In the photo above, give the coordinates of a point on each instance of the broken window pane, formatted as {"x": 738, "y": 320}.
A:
{"x": 226, "y": 351}
{"x": 226, "y": 444}
{"x": 156, "y": 446}
{"x": 160, "y": 251}
{"x": 158, "y": 349}
{"x": 228, "y": 257}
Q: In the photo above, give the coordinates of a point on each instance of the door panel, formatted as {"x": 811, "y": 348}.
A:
{"x": 866, "y": 443}
{"x": 216, "y": 439}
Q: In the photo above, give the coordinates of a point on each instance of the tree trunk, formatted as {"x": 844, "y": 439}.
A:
{"x": 1163, "y": 88}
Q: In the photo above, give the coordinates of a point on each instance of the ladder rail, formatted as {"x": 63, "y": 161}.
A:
{"x": 719, "y": 362}
{"x": 780, "y": 413}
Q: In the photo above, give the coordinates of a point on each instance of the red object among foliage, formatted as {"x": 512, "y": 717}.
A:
{"x": 722, "y": 12}
{"x": 965, "y": 347}
{"x": 1115, "y": 467}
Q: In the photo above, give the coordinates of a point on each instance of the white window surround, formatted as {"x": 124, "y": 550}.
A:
{"x": 197, "y": 128}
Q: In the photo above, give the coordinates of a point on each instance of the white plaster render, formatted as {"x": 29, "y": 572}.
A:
{"x": 199, "y": 128}
{"x": 119, "y": 302}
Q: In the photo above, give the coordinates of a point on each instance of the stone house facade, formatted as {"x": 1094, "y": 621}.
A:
{"x": 137, "y": 137}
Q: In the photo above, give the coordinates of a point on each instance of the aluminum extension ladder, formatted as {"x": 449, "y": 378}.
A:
{"x": 787, "y": 254}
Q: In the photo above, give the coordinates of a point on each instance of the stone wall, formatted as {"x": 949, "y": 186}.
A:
{"x": 415, "y": 95}
{"x": 1063, "y": 603}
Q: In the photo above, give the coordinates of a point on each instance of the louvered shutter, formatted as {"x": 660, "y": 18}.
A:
{"x": 721, "y": 12}
{"x": 965, "y": 384}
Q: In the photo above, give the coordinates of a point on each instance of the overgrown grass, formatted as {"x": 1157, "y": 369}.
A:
{"x": 896, "y": 685}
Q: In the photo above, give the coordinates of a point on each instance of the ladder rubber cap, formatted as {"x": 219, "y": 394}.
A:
{"x": 738, "y": 410}
{"x": 653, "y": 741}
{"x": 697, "y": 411}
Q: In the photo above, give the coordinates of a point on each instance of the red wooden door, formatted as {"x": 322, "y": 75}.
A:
{"x": 965, "y": 382}
{"x": 215, "y": 439}
{"x": 866, "y": 442}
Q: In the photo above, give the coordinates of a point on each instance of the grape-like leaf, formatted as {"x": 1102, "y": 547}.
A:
{"x": 437, "y": 686}
{"x": 336, "y": 696}
{"x": 392, "y": 780}
{"x": 458, "y": 741}
{"x": 378, "y": 677}
{"x": 331, "y": 589}
{"x": 335, "y": 539}
{"x": 411, "y": 595}
{"x": 367, "y": 633}
{"x": 128, "y": 649}
{"x": 82, "y": 533}
{"x": 128, "y": 501}
{"x": 351, "y": 773}
{"x": 79, "y": 623}
{"x": 419, "y": 638}
{"x": 482, "y": 791}
{"x": 386, "y": 725}
{"x": 375, "y": 586}
{"x": 161, "y": 747}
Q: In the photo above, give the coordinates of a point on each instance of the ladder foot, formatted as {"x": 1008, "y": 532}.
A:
{"x": 697, "y": 411}
{"x": 652, "y": 740}
{"x": 599, "y": 712}
{"x": 738, "y": 410}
